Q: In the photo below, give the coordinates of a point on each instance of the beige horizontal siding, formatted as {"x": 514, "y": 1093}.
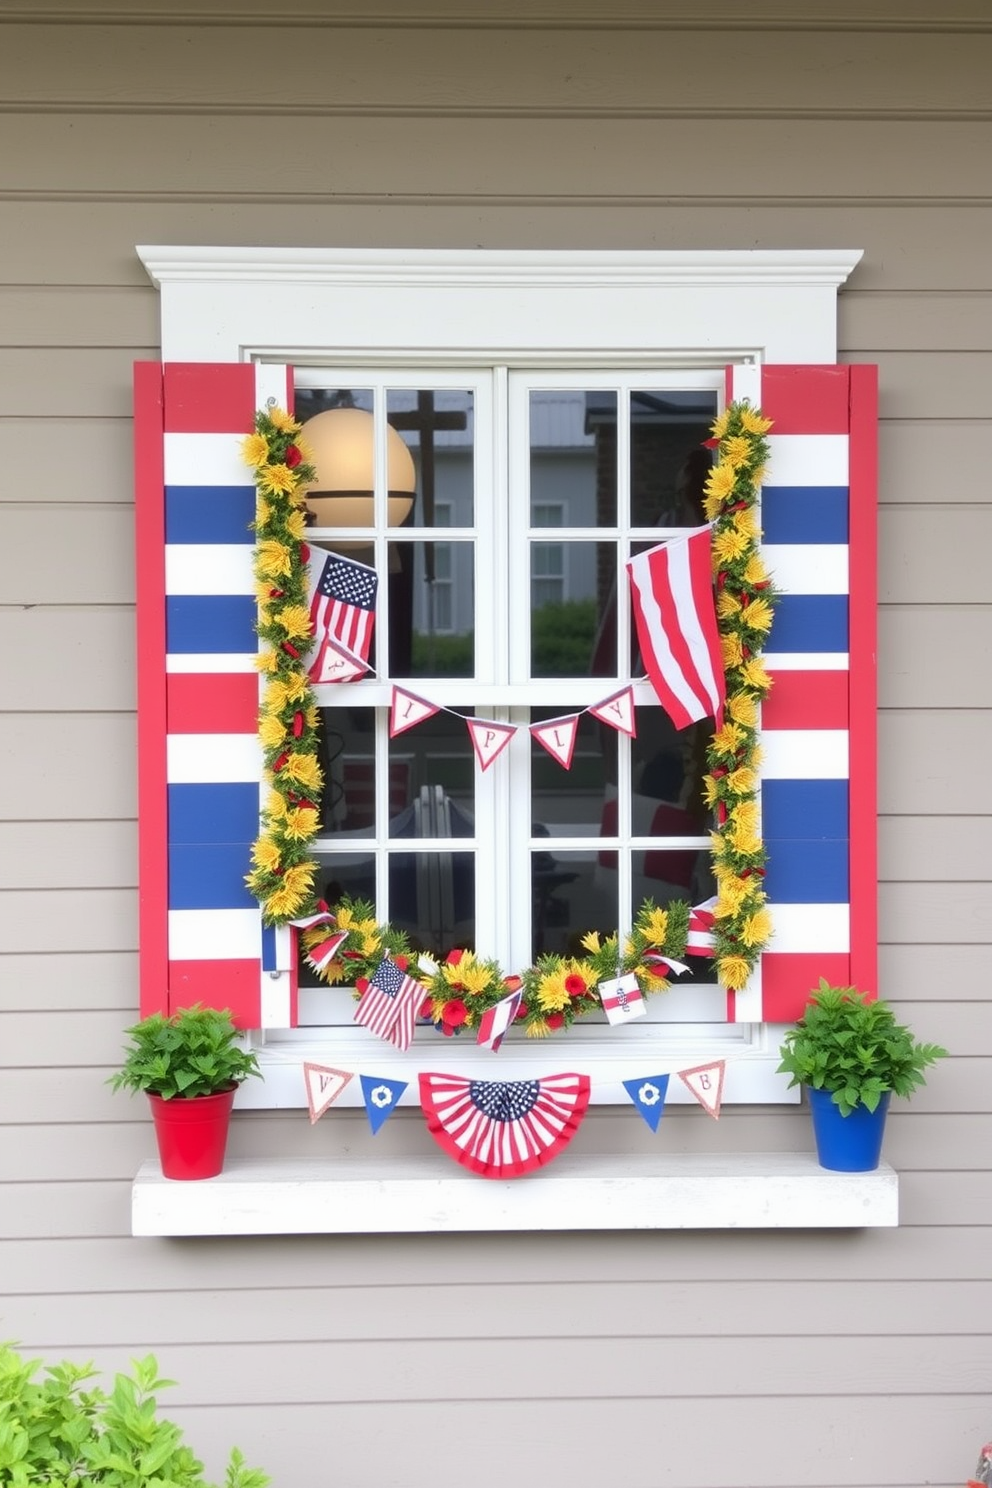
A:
{"x": 95, "y": 645}
{"x": 62, "y": 982}
{"x": 84, "y": 770}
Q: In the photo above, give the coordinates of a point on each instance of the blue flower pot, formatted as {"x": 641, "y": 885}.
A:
{"x": 847, "y": 1144}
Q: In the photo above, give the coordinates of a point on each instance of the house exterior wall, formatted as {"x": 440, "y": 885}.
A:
{"x": 851, "y": 1360}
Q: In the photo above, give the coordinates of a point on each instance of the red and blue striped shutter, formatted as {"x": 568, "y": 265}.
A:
{"x": 202, "y": 938}
{"x": 818, "y": 725}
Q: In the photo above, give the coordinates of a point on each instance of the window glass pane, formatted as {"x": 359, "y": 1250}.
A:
{"x": 570, "y": 897}
{"x": 573, "y": 615}
{"x": 347, "y": 756}
{"x": 437, "y": 426}
{"x": 432, "y": 899}
{"x": 570, "y": 803}
{"x": 573, "y": 461}
{"x": 668, "y": 462}
{"x": 428, "y": 636}
{"x": 668, "y": 767}
{"x": 432, "y": 779}
{"x": 348, "y": 872}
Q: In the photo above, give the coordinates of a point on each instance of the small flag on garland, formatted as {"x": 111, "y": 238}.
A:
{"x": 389, "y": 1004}
{"x": 323, "y": 1086}
{"x": 701, "y": 940}
{"x": 648, "y": 1094}
{"x": 496, "y": 1020}
{"x": 342, "y": 608}
{"x": 622, "y": 999}
{"x": 705, "y": 1081}
{"x": 381, "y": 1097}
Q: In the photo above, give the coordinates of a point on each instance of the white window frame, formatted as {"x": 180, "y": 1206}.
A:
{"x": 451, "y": 308}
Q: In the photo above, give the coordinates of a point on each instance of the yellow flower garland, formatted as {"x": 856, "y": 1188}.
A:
{"x": 744, "y": 601}
{"x": 282, "y": 876}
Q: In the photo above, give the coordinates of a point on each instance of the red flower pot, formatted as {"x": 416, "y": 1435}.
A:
{"x": 192, "y": 1133}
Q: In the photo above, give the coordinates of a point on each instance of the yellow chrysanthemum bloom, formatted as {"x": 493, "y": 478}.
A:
{"x": 732, "y": 972}
{"x": 277, "y": 480}
{"x": 710, "y": 791}
{"x": 476, "y": 979}
{"x": 370, "y": 943}
{"x": 732, "y": 893}
{"x": 551, "y": 995}
{"x": 721, "y": 481}
{"x": 254, "y": 449}
{"x": 747, "y": 524}
{"x": 728, "y": 738}
{"x": 655, "y": 925}
{"x": 283, "y": 904}
{"x": 728, "y": 546}
{"x": 653, "y": 980}
{"x": 267, "y": 660}
{"x": 344, "y": 918}
{"x": 283, "y": 421}
{"x": 755, "y": 676}
{"x": 273, "y": 559}
{"x": 727, "y": 605}
{"x": 758, "y": 475}
{"x": 743, "y": 709}
{"x": 756, "y": 929}
{"x": 746, "y": 813}
{"x": 295, "y": 621}
{"x": 758, "y": 615}
{"x": 367, "y": 926}
{"x": 744, "y": 840}
{"x": 737, "y": 450}
{"x": 304, "y": 770}
{"x": 275, "y": 695}
{"x": 742, "y": 782}
{"x": 275, "y": 805}
{"x": 753, "y": 423}
{"x": 301, "y": 823}
{"x": 299, "y": 878}
{"x": 712, "y": 506}
{"x": 755, "y": 571}
{"x": 537, "y": 1028}
{"x": 333, "y": 972}
{"x": 271, "y": 731}
{"x": 719, "y": 426}
{"x": 296, "y": 524}
{"x": 590, "y": 942}
{"x": 731, "y": 650}
{"x": 263, "y": 593}
{"x": 297, "y": 687}
{"x": 265, "y": 854}
{"x": 312, "y": 715}
{"x": 263, "y": 512}
{"x": 305, "y": 448}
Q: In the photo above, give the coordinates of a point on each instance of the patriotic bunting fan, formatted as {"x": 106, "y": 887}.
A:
{"x": 503, "y": 1128}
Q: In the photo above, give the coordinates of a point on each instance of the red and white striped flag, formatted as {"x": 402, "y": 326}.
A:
{"x": 672, "y": 592}
{"x": 389, "y": 1004}
{"x": 496, "y": 1020}
{"x": 701, "y": 940}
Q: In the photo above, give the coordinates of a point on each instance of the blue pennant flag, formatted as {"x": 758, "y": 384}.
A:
{"x": 648, "y": 1094}
{"x": 381, "y": 1098}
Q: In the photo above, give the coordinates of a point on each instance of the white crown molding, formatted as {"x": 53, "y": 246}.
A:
{"x": 415, "y": 268}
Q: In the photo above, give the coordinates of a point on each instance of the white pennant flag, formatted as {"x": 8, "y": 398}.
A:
{"x": 407, "y": 710}
{"x": 618, "y": 712}
{"x": 324, "y": 1085}
{"x": 558, "y": 737}
{"x": 489, "y": 739}
{"x": 335, "y": 663}
{"x": 706, "y": 1083}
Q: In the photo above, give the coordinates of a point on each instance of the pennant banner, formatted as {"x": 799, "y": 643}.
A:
{"x": 323, "y": 1086}
{"x": 335, "y": 663}
{"x": 489, "y": 739}
{"x": 618, "y": 712}
{"x": 675, "y": 614}
{"x": 381, "y": 1098}
{"x": 558, "y": 737}
{"x": 407, "y": 710}
{"x": 705, "y": 1082}
{"x": 622, "y": 999}
{"x": 648, "y": 1094}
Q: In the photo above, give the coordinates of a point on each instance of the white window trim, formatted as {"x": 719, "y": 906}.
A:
{"x": 441, "y": 308}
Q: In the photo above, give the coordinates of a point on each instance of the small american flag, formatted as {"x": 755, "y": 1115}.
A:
{"x": 342, "y": 601}
{"x": 675, "y": 614}
{"x": 388, "y": 1007}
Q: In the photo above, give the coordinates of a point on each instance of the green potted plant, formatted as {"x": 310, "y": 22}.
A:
{"x": 189, "y": 1065}
{"x": 851, "y": 1055}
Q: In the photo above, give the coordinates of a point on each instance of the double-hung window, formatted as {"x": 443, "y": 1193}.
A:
{"x": 533, "y": 392}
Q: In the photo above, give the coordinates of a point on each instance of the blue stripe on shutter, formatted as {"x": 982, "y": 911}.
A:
{"x": 209, "y": 514}
{"x": 211, "y": 623}
{"x": 213, "y": 813}
{"x": 210, "y": 876}
{"x": 804, "y": 808}
{"x": 807, "y": 871}
{"x": 804, "y": 514}
{"x": 808, "y": 622}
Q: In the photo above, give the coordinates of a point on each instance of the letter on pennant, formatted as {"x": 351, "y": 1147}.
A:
{"x": 324, "y": 1085}
{"x": 489, "y": 739}
{"x": 558, "y": 737}
{"x": 406, "y": 710}
{"x": 618, "y": 712}
{"x": 706, "y": 1083}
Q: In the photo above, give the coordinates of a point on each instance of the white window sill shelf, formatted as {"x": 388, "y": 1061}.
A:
{"x": 313, "y": 1196}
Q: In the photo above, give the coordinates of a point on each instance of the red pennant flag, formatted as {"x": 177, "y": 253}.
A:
{"x": 618, "y": 712}
{"x": 558, "y": 737}
{"x": 407, "y": 710}
{"x": 706, "y": 1083}
{"x": 489, "y": 739}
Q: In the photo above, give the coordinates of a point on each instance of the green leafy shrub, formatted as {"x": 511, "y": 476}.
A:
{"x": 852, "y": 1046}
{"x": 194, "y": 1052}
{"x": 55, "y": 1431}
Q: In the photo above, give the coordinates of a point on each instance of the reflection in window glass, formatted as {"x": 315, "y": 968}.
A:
{"x": 570, "y": 635}
{"x": 432, "y": 899}
{"x": 433, "y": 765}
{"x": 668, "y": 461}
{"x": 347, "y": 758}
{"x": 432, "y": 609}
{"x": 573, "y": 438}
{"x": 570, "y": 803}
{"x": 668, "y": 766}
{"x": 570, "y": 897}
{"x": 437, "y": 426}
